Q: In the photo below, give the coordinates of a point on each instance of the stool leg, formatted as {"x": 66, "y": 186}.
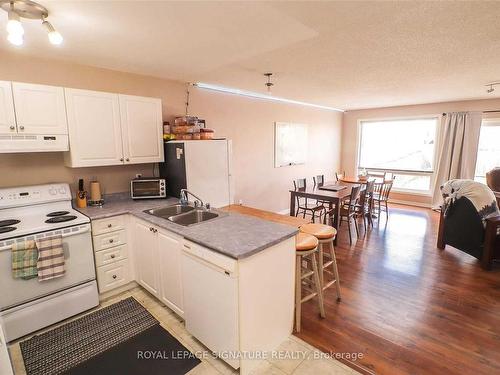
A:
{"x": 298, "y": 291}
{"x": 335, "y": 270}
{"x": 318, "y": 286}
{"x": 320, "y": 265}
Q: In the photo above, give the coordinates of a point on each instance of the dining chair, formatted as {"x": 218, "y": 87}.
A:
{"x": 365, "y": 205}
{"x": 319, "y": 180}
{"x": 339, "y": 175}
{"x": 380, "y": 198}
{"x": 350, "y": 209}
{"x": 304, "y": 206}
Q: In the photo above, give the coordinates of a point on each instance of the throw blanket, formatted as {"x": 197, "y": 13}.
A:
{"x": 479, "y": 194}
{"x": 24, "y": 260}
{"x": 51, "y": 258}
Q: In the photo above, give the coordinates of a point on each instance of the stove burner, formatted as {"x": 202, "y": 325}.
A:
{"x": 7, "y": 229}
{"x": 58, "y": 213}
{"x": 60, "y": 219}
{"x": 6, "y": 223}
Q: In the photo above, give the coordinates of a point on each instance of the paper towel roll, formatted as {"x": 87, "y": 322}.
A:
{"x": 95, "y": 191}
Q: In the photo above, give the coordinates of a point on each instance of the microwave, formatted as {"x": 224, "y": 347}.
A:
{"x": 148, "y": 187}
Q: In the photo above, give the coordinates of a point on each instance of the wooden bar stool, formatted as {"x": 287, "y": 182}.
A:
{"x": 325, "y": 235}
{"x": 306, "y": 248}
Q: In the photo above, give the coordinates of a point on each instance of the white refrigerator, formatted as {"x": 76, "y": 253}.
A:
{"x": 202, "y": 167}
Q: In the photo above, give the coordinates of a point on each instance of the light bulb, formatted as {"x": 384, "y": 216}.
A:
{"x": 54, "y": 36}
{"x": 14, "y": 25}
{"x": 15, "y": 39}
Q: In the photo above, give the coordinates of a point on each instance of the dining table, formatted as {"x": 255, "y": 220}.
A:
{"x": 334, "y": 198}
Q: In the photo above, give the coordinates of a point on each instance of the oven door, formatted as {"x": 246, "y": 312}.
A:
{"x": 141, "y": 189}
{"x": 79, "y": 266}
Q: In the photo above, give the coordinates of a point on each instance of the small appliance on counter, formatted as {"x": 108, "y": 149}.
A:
{"x": 147, "y": 188}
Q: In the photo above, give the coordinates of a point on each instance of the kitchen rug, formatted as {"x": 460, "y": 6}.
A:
{"x": 91, "y": 337}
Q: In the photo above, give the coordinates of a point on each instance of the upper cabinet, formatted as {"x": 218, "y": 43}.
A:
{"x": 95, "y": 133}
{"x": 39, "y": 109}
{"x": 7, "y": 117}
{"x": 142, "y": 129}
{"x": 112, "y": 129}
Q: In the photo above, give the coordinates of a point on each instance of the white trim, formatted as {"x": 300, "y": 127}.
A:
{"x": 258, "y": 95}
{"x": 410, "y": 203}
{"x": 284, "y": 212}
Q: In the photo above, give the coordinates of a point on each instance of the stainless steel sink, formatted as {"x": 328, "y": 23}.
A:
{"x": 193, "y": 217}
{"x": 168, "y": 211}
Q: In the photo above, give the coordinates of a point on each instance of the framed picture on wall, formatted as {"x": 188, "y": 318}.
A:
{"x": 290, "y": 144}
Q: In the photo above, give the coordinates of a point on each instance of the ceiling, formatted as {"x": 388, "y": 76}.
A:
{"x": 346, "y": 55}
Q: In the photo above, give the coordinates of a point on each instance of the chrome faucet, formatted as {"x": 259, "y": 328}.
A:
{"x": 184, "y": 198}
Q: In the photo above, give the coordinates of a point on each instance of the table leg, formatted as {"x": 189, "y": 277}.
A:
{"x": 292, "y": 204}
{"x": 336, "y": 218}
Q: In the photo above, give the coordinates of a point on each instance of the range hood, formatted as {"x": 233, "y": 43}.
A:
{"x": 33, "y": 143}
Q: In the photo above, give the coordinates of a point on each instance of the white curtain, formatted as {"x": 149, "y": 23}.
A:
{"x": 457, "y": 151}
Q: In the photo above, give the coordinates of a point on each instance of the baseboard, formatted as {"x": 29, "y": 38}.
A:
{"x": 284, "y": 212}
{"x": 410, "y": 203}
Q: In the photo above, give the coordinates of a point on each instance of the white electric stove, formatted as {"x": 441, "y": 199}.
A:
{"x": 39, "y": 211}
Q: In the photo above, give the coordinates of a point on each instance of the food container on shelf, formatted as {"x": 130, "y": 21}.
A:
{"x": 196, "y": 136}
{"x": 166, "y": 127}
{"x": 207, "y": 133}
{"x": 186, "y": 120}
{"x": 181, "y": 129}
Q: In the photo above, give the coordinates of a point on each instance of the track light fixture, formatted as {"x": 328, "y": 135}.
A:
{"x": 269, "y": 84}
{"x": 18, "y": 9}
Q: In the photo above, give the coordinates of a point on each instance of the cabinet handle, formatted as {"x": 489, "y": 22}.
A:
{"x": 114, "y": 276}
{"x": 21, "y": 127}
{"x": 12, "y": 127}
{"x": 111, "y": 240}
{"x": 150, "y": 229}
{"x": 121, "y": 159}
{"x": 110, "y": 225}
{"x": 187, "y": 247}
{"x": 127, "y": 159}
{"x": 113, "y": 256}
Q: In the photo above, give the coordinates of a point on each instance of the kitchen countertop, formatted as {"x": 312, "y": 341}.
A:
{"x": 232, "y": 234}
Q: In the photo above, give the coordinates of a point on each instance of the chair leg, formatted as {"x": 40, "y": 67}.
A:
{"x": 386, "y": 210}
{"x": 298, "y": 291}
{"x": 349, "y": 227}
{"x": 356, "y": 226}
{"x": 321, "y": 261}
{"x": 319, "y": 288}
{"x": 335, "y": 270}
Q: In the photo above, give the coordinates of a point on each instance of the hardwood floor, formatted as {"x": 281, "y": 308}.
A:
{"x": 408, "y": 307}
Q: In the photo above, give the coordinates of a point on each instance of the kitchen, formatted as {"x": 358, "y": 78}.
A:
{"x": 64, "y": 121}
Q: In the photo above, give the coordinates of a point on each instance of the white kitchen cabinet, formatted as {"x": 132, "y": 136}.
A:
{"x": 7, "y": 116}
{"x": 39, "y": 109}
{"x": 113, "y": 129}
{"x": 94, "y": 128}
{"x": 141, "y": 129}
{"x": 169, "y": 253}
{"x": 146, "y": 256}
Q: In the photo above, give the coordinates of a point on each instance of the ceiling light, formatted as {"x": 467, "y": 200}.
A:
{"x": 15, "y": 39}
{"x": 14, "y": 25}
{"x": 269, "y": 84}
{"x": 18, "y": 9}
{"x": 54, "y": 36}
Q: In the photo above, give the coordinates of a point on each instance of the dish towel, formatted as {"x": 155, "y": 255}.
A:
{"x": 24, "y": 260}
{"x": 50, "y": 258}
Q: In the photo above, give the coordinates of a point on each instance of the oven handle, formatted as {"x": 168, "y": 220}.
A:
{"x": 64, "y": 235}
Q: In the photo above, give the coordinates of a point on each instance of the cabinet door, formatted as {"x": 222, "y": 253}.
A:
{"x": 7, "y": 117}
{"x": 39, "y": 109}
{"x": 146, "y": 256}
{"x": 5, "y": 365}
{"x": 142, "y": 129}
{"x": 94, "y": 128}
{"x": 169, "y": 250}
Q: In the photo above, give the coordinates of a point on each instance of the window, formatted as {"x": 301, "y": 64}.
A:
{"x": 488, "y": 153}
{"x": 404, "y": 147}
{"x": 290, "y": 144}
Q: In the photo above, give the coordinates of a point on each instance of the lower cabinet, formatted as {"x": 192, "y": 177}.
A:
{"x": 158, "y": 263}
{"x": 111, "y": 253}
{"x": 5, "y": 365}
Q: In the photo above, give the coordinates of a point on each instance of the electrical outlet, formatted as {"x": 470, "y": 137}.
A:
{"x": 138, "y": 175}
{"x": 240, "y": 202}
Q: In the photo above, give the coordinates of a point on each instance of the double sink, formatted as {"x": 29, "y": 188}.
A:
{"x": 183, "y": 214}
